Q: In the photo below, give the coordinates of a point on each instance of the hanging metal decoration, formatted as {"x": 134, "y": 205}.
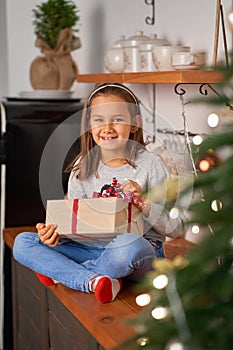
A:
{"x": 150, "y": 20}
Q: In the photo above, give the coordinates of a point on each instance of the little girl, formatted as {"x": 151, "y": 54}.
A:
{"x": 112, "y": 145}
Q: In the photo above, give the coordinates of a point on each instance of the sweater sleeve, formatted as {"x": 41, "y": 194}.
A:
{"x": 159, "y": 219}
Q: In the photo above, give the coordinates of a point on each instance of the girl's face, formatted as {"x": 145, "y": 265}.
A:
{"x": 110, "y": 123}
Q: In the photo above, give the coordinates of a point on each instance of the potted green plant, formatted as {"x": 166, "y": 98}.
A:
{"x": 55, "y": 24}
{"x": 52, "y": 16}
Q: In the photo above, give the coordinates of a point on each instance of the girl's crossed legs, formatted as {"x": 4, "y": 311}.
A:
{"x": 74, "y": 264}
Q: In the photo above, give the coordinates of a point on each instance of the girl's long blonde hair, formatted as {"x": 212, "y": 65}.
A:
{"x": 90, "y": 153}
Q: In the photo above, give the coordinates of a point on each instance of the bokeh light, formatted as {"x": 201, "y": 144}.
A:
{"x": 143, "y": 299}
{"x": 216, "y": 205}
{"x": 175, "y": 345}
{"x": 204, "y": 165}
{"x": 230, "y": 20}
{"x": 195, "y": 229}
{"x": 174, "y": 213}
{"x": 197, "y": 140}
{"x": 142, "y": 341}
{"x": 213, "y": 120}
{"x": 159, "y": 312}
{"x": 160, "y": 281}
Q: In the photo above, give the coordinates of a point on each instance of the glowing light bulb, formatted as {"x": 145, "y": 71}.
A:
{"x": 230, "y": 20}
{"x": 204, "y": 165}
{"x": 174, "y": 213}
{"x": 213, "y": 120}
{"x": 143, "y": 341}
{"x": 160, "y": 281}
{"x": 143, "y": 299}
{"x": 159, "y": 313}
{"x": 216, "y": 205}
{"x": 176, "y": 345}
{"x": 195, "y": 229}
{"x": 197, "y": 140}
{"x": 230, "y": 17}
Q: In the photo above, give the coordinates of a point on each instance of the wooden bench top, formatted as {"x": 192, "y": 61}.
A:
{"x": 105, "y": 322}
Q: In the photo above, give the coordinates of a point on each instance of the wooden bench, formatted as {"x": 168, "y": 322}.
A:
{"x": 104, "y": 324}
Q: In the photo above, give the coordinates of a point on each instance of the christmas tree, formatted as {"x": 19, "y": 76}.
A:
{"x": 189, "y": 303}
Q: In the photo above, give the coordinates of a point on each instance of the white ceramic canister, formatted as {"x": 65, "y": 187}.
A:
{"x": 114, "y": 57}
{"x": 146, "y": 62}
{"x": 131, "y": 51}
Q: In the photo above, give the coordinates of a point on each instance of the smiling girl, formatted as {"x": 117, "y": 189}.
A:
{"x": 112, "y": 145}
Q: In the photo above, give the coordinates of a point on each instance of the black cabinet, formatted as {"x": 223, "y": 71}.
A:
{"x": 65, "y": 331}
{"x": 38, "y": 139}
{"x": 41, "y": 321}
{"x": 30, "y": 310}
{"x": 37, "y": 136}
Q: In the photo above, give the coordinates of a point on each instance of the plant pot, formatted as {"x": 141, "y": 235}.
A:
{"x": 55, "y": 69}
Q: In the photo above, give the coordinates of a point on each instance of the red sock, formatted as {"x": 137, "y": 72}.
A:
{"x": 106, "y": 288}
{"x": 47, "y": 281}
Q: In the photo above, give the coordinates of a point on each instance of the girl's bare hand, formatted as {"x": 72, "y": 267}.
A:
{"x": 133, "y": 187}
{"x": 47, "y": 234}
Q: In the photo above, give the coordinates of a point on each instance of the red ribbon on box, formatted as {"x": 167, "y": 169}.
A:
{"x": 74, "y": 216}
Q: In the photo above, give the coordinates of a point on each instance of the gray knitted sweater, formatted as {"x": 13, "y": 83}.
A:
{"x": 149, "y": 171}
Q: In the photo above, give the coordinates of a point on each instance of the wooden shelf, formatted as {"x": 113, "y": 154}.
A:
{"x": 170, "y": 77}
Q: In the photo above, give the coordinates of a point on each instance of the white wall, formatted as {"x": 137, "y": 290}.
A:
{"x": 102, "y": 22}
{"x": 3, "y": 50}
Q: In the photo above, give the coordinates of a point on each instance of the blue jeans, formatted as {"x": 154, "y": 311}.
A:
{"x": 74, "y": 264}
